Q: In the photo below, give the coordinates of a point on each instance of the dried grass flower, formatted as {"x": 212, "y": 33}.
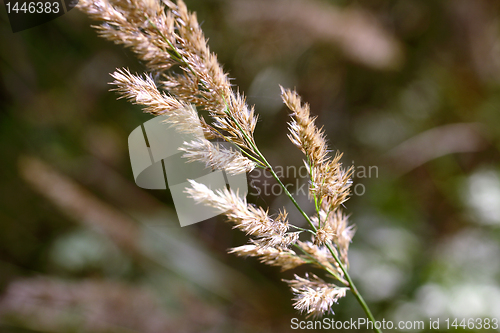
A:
{"x": 284, "y": 258}
{"x": 254, "y": 221}
{"x": 314, "y": 296}
{"x": 216, "y": 156}
{"x": 184, "y": 79}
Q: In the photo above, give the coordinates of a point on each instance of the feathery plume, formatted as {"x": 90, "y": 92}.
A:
{"x": 328, "y": 179}
{"x": 303, "y": 133}
{"x": 322, "y": 256}
{"x": 252, "y": 220}
{"x": 334, "y": 230}
{"x": 331, "y": 183}
{"x": 139, "y": 25}
{"x": 216, "y": 156}
{"x": 284, "y": 258}
{"x": 314, "y": 296}
{"x": 143, "y": 91}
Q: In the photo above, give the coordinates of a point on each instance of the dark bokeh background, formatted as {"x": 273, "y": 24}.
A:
{"x": 409, "y": 90}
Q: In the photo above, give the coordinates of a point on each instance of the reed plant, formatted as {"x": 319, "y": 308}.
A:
{"x": 184, "y": 80}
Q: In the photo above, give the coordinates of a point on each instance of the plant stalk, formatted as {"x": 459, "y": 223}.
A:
{"x": 351, "y": 285}
{"x": 353, "y": 288}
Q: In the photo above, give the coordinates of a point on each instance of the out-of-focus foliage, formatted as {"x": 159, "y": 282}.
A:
{"x": 409, "y": 90}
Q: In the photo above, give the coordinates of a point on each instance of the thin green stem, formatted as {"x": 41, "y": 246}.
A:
{"x": 353, "y": 288}
{"x": 301, "y": 229}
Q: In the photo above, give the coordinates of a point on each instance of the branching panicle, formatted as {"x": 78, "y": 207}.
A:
{"x": 168, "y": 39}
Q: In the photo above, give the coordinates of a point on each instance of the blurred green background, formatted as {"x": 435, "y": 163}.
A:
{"x": 410, "y": 88}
